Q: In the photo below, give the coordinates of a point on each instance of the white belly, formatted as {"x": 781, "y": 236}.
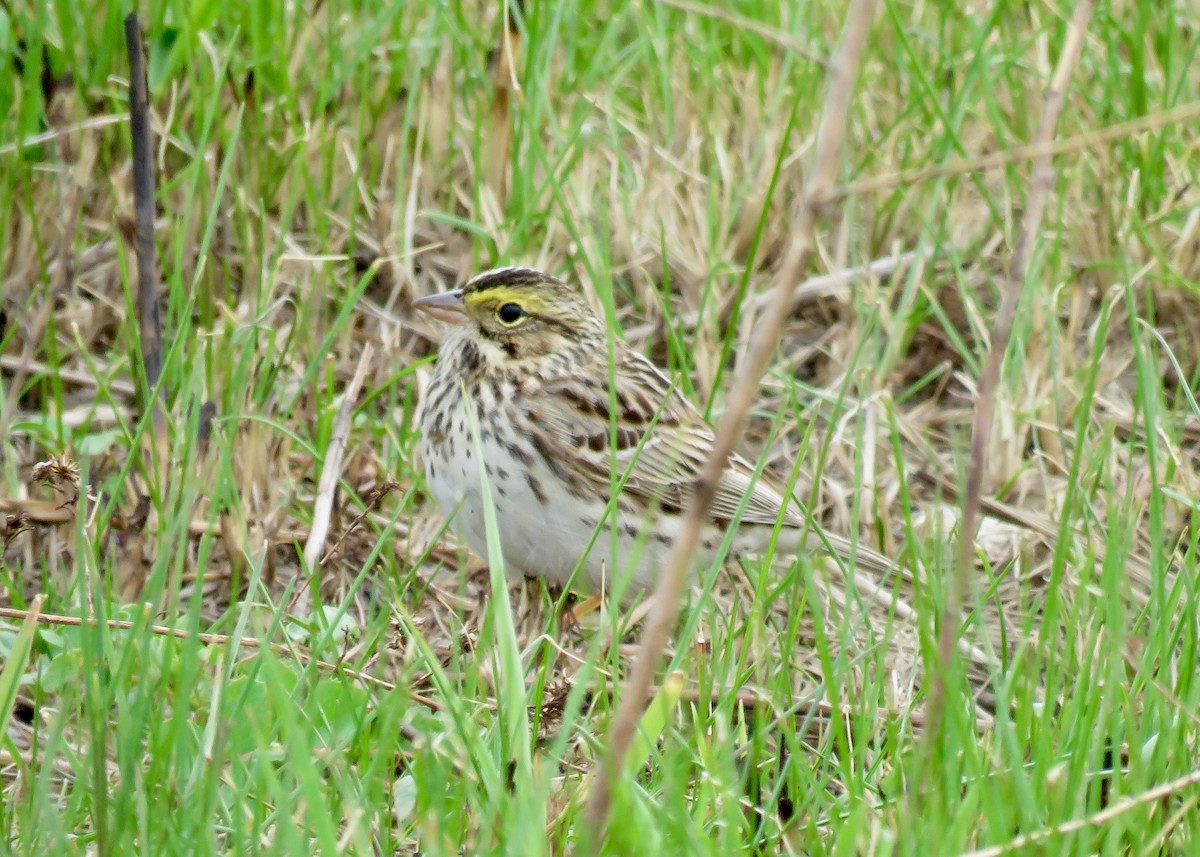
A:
{"x": 544, "y": 532}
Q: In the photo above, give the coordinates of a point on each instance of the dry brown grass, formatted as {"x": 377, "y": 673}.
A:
{"x": 691, "y": 178}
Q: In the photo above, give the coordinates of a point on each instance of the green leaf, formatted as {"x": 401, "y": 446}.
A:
{"x": 204, "y": 13}
{"x": 7, "y": 640}
{"x": 654, "y": 721}
{"x": 5, "y": 32}
{"x": 162, "y": 58}
{"x": 99, "y": 442}
{"x": 63, "y": 669}
{"x": 18, "y": 658}
{"x": 404, "y": 798}
{"x": 339, "y": 709}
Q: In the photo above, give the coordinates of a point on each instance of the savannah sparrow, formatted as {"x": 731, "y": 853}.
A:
{"x": 525, "y": 363}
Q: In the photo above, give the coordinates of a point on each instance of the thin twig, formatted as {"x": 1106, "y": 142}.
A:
{"x": 149, "y": 319}
{"x": 811, "y": 289}
{"x": 371, "y": 503}
{"x": 47, "y": 136}
{"x": 1028, "y": 152}
{"x": 331, "y": 470}
{"x": 215, "y": 640}
{"x": 1119, "y": 807}
{"x": 53, "y": 512}
{"x": 1041, "y": 182}
{"x": 14, "y": 364}
{"x": 826, "y": 165}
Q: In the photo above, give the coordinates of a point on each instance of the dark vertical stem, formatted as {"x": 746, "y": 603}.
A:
{"x": 149, "y": 320}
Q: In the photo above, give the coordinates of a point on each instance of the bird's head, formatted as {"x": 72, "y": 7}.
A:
{"x": 518, "y": 314}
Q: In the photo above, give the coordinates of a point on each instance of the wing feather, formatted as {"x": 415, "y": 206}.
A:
{"x": 661, "y": 441}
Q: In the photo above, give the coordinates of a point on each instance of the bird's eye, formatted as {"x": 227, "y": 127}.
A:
{"x": 510, "y": 313}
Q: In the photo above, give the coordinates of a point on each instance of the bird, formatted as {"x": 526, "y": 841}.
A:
{"x": 588, "y": 451}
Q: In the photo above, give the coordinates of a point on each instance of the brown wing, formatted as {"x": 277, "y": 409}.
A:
{"x": 662, "y": 442}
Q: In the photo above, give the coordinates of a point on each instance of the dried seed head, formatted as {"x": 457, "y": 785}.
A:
{"x": 59, "y": 472}
{"x": 14, "y": 525}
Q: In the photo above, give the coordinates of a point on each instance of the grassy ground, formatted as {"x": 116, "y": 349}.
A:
{"x": 319, "y": 168}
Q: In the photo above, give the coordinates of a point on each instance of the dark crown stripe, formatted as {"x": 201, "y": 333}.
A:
{"x": 508, "y": 277}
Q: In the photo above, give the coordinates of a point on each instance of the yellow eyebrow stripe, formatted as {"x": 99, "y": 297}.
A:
{"x": 531, "y": 302}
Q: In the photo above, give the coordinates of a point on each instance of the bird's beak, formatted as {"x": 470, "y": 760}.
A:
{"x": 448, "y": 306}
